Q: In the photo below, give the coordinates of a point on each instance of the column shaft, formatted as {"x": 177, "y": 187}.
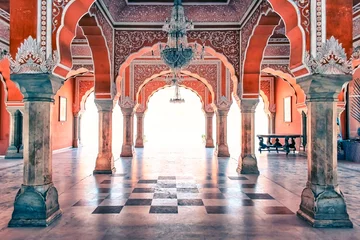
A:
{"x": 322, "y": 202}
{"x": 209, "y": 129}
{"x": 248, "y": 161}
{"x": 139, "y": 143}
{"x": 105, "y": 159}
{"x": 36, "y": 203}
{"x": 76, "y": 132}
{"x": 127, "y": 147}
{"x": 222, "y": 147}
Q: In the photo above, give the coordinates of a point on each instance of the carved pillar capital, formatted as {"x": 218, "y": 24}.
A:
{"x": 248, "y": 105}
{"x": 12, "y": 109}
{"x": 323, "y": 87}
{"x": 139, "y": 114}
{"x": 223, "y": 112}
{"x": 223, "y": 105}
{"x": 209, "y": 114}
{"x": 301, "y": 107}
{"x": 104, "y": 105}
{"x": 127, "y": 111}
{"x": 38, "y": 87}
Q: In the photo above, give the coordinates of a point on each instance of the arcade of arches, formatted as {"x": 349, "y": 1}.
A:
{"x": 296, "y": 56}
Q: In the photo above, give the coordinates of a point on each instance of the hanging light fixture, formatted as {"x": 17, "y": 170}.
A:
{"x": 177, "y": 97}
{"x": 177, "y": 53}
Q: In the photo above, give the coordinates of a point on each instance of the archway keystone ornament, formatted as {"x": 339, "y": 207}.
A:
{"x": 322, "y": 202}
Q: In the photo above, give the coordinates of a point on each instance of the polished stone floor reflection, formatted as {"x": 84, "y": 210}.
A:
{"x": 177, "y": 193}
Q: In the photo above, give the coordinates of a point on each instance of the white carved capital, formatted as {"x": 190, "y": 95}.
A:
{"x": 30, "y": 58}
{"x": 330, "y": 59}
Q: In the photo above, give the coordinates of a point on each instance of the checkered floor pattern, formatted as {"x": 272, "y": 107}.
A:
{"x": 166, "y": 194}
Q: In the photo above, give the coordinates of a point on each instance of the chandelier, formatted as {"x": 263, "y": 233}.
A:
{"x": 177, "y": 53}
{"x": 177, "y": 97}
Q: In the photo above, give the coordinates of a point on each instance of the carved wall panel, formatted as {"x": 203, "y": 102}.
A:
{"x": 232, "y": 12}
{"x": 223, "y": 42}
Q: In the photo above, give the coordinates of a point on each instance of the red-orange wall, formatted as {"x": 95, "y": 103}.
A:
{"x": 282, "y": 90}
{"x": 4, "y": 122}
{"x": 62, "y": 132}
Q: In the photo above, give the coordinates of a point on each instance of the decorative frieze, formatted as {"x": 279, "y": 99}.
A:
{"x": 57, "y": 10}
{"x": 304, "y": 8}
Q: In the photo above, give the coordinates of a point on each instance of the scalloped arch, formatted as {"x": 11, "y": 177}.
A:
{"x": 300, "y": 95}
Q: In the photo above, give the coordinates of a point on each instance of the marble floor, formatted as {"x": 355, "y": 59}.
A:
{"x": 180, "y": 193}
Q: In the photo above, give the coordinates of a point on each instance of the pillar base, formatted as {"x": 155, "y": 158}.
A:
{"x": 12, "y": 153}
{"x": 139, "y": 144}
{"x": 112, "y": 171}
{"x": 126, "y": 151}
{"x": 209, "y": 143}
{"x": 104, "y": 164}
{"x": 248, "y": 165}
{"x": 223, "y": 151}
{"x": 76, "y": 143}
{"x": 326, "y": 210}
{"x": 35, "y": 206}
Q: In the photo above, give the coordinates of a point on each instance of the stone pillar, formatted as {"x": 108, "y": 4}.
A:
{"x": 272, "y": 122}
{"x": 209, "y": 129}
{"x": 139, "y": 143}
{"x": 76, "y": 132}
{"x": 127, "y": 147}
{"x": 322, "y": 202}
{"x": 105, "y": 159}
{"x": 14, "y": 151}
{"x": 248, "y": 161}
{"x": 79, "y": 132}
{"x": 302, "y": 109}
{"x": 221, "y": 131}
{"x": 36, "y": 203}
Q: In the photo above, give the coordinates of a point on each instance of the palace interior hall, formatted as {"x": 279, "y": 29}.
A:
{"x": 179, "y": 119}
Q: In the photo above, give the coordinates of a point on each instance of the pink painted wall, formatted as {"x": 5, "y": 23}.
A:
{"x": 282, "y": 90}
{"x": 4, "y": 122}
{"x": 62, "y": 132}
